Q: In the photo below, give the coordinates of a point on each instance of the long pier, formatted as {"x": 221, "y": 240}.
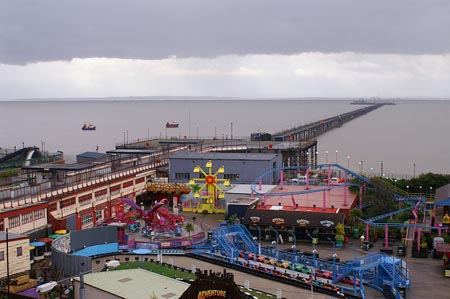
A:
{"x": 314, "y": 129}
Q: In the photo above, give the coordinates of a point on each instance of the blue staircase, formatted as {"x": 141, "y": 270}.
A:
{"x": 394, "y": 275}
{"x": 233, "y": 238}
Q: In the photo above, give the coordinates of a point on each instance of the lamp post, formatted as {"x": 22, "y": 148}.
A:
{"x": 381, "y": 169}
{"x": 259, "y": 239}
{"x": 315, "y": 159}
{"x": 334, "y": 258}
{"x": 326, "y": 156}
{"x": 336, "y": 157}
{"x": 294, "y": 247}
{"x": 82, "y": 290}
{"x": 420, "y": 187}
{"x": 307, "y": 160}
{"x": 276, "y": 239}
{"x": 348, "y": 162}
{"x": 407, "y": 190}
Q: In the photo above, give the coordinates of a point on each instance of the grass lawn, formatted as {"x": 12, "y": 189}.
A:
{"x": 157, "y": 268}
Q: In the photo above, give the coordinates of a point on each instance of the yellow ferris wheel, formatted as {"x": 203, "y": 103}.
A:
{"x": 210, "y": 182}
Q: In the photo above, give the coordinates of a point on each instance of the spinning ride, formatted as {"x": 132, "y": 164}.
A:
{"x": 157, "y": 218}
{"x": 209, "y": 191}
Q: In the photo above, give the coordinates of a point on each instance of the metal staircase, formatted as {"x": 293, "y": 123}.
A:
{"x": 233, "y": 238}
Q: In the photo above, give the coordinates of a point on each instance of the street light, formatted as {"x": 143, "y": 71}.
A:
{"x": 259, "y": 239}
{"x": 326, "y": 155}
{"x": 348, "y": 162}
{"x": 334, "y": 258}
{"x": 307, "y": 159}
{"x": 336, "y": 156}
{"x": 294, "y": 247}
{"x": 276, "y": 239}
{"x": 407, "y": 190}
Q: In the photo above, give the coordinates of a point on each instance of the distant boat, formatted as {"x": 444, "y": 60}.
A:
{"x": 88, "y": 127}
{"x": 172, "y": 124}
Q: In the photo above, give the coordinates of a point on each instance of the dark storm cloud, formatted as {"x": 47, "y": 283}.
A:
{"x": 33, "y": 31}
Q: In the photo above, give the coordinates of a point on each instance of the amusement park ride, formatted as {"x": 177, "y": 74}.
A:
{"x": 157, "y": 218}
{"x": 208, "y": 191}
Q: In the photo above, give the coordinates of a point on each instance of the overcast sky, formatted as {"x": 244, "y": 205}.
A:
{"x": 238, "y": 48}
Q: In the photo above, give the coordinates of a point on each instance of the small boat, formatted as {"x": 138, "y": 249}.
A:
{"x": 88, "y": 127}
{"x": 172, "y": 124}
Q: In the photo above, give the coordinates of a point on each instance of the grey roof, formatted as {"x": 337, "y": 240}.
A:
{"x": 247, "y": 189}
{"x": 94, "y": 155}
{"x": 223, "y": 156}
{"x": 136, "y": 283}
{"x": 11, "y": 236}
{"x": 63, "y": 167}
{"x": 131, "y": 151}
{"x": 243, "y": 201}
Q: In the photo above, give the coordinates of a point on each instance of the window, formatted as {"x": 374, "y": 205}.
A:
{"x": 67, "y": 202}
{"x": 127, "y": 184}
{"x": 19, "y": 251}
{"x": 231, "y": 176}
{"x": 182, "y": 175}
{"x": 86, "y": 219}
{"x": 14, "y": 221}
{"x": 2, "y": 255}
{"x": 52, "y": 207}
{"x": 27, "y": 218}
{"x": 101, "y": 192}
{"x": 85, "y": 198}
{"x": 39, "y": 214}
{"x": 114, "y": 189}
{"x": 98, "y": 215}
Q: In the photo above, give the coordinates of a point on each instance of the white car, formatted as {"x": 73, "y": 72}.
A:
{"x": 335, "y": 181}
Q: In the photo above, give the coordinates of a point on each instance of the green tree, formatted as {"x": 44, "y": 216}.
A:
{"x": 354, "y": 215}
{"x": 231, "y": 219}
{"x": 195, "y": 188}
{"x": 189, "y": 227}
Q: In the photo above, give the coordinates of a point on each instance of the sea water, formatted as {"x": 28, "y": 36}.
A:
{"x": 408, "y": 138}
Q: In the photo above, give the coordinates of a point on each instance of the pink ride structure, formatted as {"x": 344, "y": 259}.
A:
{"x": 157, "y": 218}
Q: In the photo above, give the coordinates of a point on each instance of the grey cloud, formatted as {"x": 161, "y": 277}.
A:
{"x": 45, "y": 30}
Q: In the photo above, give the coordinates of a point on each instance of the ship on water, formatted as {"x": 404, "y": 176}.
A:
{"x": 172, "y": 124}
{"x": 88, "y": 127}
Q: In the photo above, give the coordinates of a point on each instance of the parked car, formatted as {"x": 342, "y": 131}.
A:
{"x": 303, "y": 269}
{"x": 260, "y": 259}
{"x": 281, "y": 263}
{"x": 324, "y": 274}
{"x": 349, "y": 280}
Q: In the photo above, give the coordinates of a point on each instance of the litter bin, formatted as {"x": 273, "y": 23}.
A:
{"x": 356, "y": 233}
{"x": 400, "y": 251}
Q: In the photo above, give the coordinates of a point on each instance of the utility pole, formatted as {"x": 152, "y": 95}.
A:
{"x": 231, "y": 130}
